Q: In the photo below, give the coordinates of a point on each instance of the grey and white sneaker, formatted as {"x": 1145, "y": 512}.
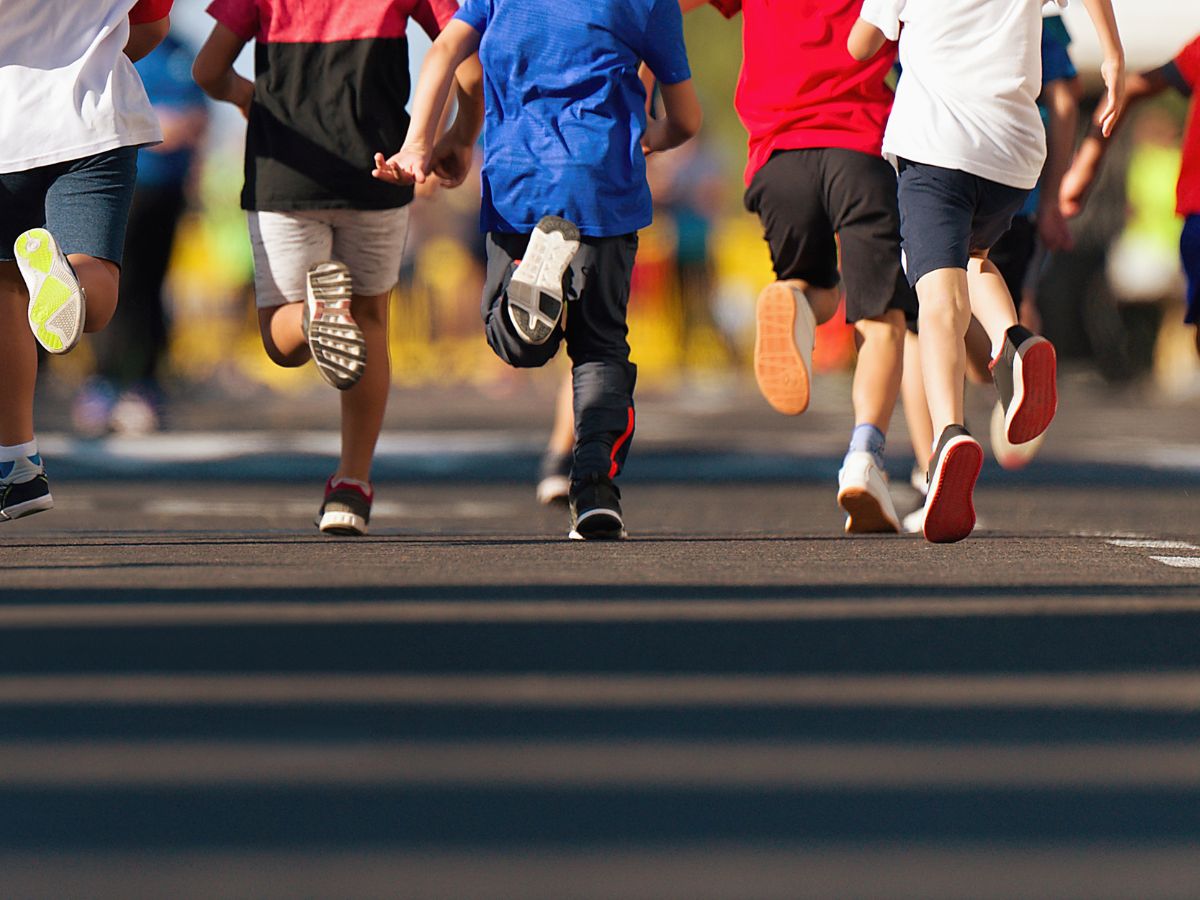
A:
{"x": 554, "y": 478}
{"x": 24, "y": 488}
{"x": 863, "y": 493}
{"x": 596, "y": 510}
{"x": 56, "y": 299}
{"x": 535, "y": 291}
{"x": 334, "y": 338}
{"x": 346, "y": 509}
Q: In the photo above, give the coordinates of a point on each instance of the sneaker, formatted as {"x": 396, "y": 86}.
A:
{"x": 1024, "y": 374}
{"x": 863, "y": 493}
{"x": 783, "y": 347}
{"x": 949, "y": 507}
{"x": 1009, "y": 455}
{"x": 554, "y": 481}
{"x": 56, "y": 301}
{"x": 914, "y": 522}
{"x": 347, "y": 507}
{"x": 137, "y": 411}
{"x": 92, "y": 408}
{"x": 24, "y": 488}
{"x": 535, "y": 291}
{"x": 596, "y": 510}
{"x": 334, "y": 338}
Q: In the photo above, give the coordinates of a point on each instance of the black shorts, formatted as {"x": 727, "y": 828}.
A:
{"x": 1013, "y": 253}
{"x": 807, "y": 197}
{"x": 947, "y": 215}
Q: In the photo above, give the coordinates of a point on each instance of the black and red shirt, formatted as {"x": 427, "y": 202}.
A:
{"x": 330, "y": 90}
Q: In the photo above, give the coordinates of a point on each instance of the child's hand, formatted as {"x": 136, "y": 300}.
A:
{"x": 654, "y": 138}
{"x": 406, "y": 167}
{"x": 1112, "y": 70}
{"x": 452, "y": 160}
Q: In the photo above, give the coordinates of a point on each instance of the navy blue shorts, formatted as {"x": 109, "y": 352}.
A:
{"x": 947, "y": 215}
{"x": 1189, "y": 251}
{"x": 84, "y": 203}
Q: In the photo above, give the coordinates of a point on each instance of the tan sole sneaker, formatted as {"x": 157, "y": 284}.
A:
{"x": 783, "y": 344}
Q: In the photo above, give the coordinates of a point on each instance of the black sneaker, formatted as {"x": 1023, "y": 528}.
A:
{"x": 949, "y": 506}
{"x": 335, "y": 340}
{"x": 347, "y": 508}
{"x": 554, "y": 478}
{"x": 24, "y": 488}
{"x": 535, "y": 291}
{"x": 596, "y": 510}
{"x": 1025, "y": 376}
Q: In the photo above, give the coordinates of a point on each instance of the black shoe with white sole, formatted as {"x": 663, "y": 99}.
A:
{"x": 950, "y": 506}
{"x": 535, "y": 291}
{"x": 346, "y": 510}
{"x": 596, "y": 510}
{"x": 1025, "y": 375}
{"x": 335, "y": 340}
{"x": 24, "y": 488}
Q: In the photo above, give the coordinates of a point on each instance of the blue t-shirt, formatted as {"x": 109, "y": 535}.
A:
{"x": 167, "y": 75}
{"x": 565, "y": 111}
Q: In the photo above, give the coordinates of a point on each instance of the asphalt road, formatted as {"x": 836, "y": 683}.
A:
{"x": 201, "y": 698}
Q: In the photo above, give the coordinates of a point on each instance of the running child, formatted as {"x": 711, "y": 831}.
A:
{"x": 564, "y": 195}
{"x": 74, "y": 114}
{"x": 331, "y": 83}
{"x": 817, "y": 181}
{"x": 968, "y": 141}
{"x": 1183, "y": 74}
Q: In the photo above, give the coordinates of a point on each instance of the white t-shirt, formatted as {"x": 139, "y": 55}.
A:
{"x": 67, "y": 89}
{"x": 967, "y": 95}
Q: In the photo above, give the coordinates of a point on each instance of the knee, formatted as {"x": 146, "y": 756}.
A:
{"x": 371, "y": 313}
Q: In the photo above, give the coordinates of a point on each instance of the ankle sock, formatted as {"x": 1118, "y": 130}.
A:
{"x": 868, "y": 439}
{"x": 20, "y": 462}
{"x": 18, "y": 451}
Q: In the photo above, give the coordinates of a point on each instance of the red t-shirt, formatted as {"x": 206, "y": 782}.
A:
{"x": 149, "y": 11}
{"x": 800, "y": 88}
{"x": 1188, "y": 191}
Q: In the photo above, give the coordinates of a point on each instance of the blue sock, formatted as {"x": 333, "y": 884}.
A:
{"x": 869, "y": 439}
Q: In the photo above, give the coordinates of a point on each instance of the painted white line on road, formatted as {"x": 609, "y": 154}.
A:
{"x": 235, "y": 509}
{"x": 696, "y": 870}
{"x": 1179, "y": 562}
{"x": 502, "y": 612}
{"x": 1140, "y": 544}
{"x": 1177, "y": 692}
{"x": 602, "y": 764}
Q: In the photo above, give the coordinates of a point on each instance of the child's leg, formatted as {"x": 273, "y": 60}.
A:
{"x": 18, "y": 359}
{"x": 364, "y": 404}
{"x": 285, "y": 245}
{"x": 916, "y": 406}
{"x": 944, "y": 318}
{"x": 503, "y": 253}
{"x": 554, "y": 475}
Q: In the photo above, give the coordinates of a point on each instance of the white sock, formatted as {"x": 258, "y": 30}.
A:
{"x": 18, "y": 451}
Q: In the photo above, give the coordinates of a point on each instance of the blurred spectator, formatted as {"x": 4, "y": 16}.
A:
{"x": 125, "y": 393}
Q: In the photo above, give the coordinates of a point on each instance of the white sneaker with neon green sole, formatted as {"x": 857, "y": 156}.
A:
{"x": 56, "y": 302}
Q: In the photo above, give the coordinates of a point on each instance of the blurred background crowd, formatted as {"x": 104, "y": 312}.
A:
{"x": 186, "y": 326}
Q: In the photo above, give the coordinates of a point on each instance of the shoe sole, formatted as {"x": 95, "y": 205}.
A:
{"x": 864, "y": 513}
{"x": 553, "y": 489}
{"x": 342, "y": 524}
{"x": 56, "y": 301}
{"x": 1011, "y": 456}
{"x": 598, "y": 525}
{"x": 28, "y": 508}
{"x": 779, "y": 366}
{"x": 535, "y": 291}
{"x": 1035, "y": 391}
{"x": 335, "y": 340}
{"x": 950, "y": 509}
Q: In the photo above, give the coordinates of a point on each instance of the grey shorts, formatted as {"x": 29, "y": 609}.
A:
{"x": 84, "y": 203}
{"x": 947, "y": 215}
{"x": 286, "y": 244}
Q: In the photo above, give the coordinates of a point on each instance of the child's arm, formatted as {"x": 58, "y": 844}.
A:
{"x": 1112, "y": 70}
{"x": 1062, "y": 107}
{"x": 865, "y": 40}
{"x": 414, "y": 161}
{"x": 149, "y": 22}
{"x": 682, "y": 120}
{"x": 455, "y": 150}
{"x": 213, "y": 69}
{"x": 1086, "y": 166}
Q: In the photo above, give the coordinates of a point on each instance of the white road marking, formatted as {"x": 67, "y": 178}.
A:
{"x": 182, "y": 507}
{"x": 1140, "y": 544}
{"x": 525, "y": 763}
{"x": 1176, "y": 692}
{"x": 1179, "y": 562}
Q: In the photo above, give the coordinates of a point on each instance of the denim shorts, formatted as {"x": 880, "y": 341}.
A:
{"x": 947, "y": 215}
{"x": 84, "y": 203}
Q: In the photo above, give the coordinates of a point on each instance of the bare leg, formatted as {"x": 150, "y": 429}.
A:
{"x": 991, "y": 303}
{"x": 364, "y": 405}
{"x": 916, "y": 407}
{"x": 880, "y": 343}
{"x": 18, "y": 359}
{"x": 101, "y": 281}
{"x": 283, "y": 334}
{"x": 944, "y": 318}
{"x": 824, "y": 301}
